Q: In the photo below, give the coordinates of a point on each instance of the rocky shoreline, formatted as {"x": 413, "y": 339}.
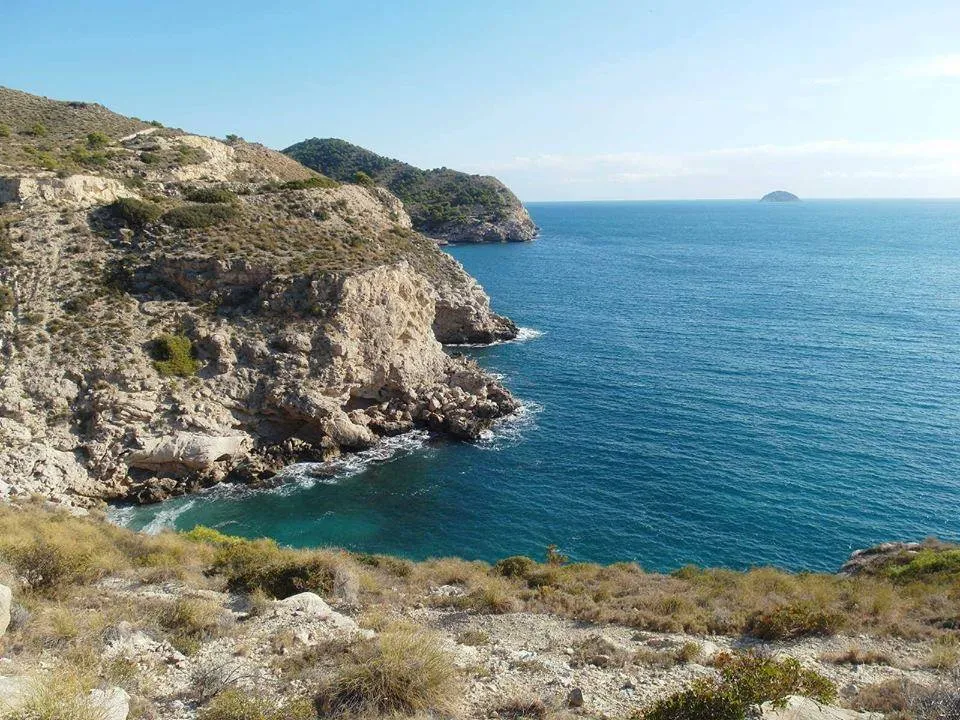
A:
{"x": 189, "y": 311}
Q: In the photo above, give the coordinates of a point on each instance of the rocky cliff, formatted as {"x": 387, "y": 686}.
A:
{"x": 176, "y": 311}
{"x": 445, "y": 204}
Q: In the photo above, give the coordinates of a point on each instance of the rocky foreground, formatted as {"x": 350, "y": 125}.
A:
{"x": 101, "y": 623}
{"x": 178, "y": 311}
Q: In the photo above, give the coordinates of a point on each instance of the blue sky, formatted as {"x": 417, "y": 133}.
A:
{"x": 607, "y": 99}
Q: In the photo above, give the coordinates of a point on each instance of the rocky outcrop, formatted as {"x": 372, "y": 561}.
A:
{"x": 177, "y": 340}
{"x": 797, "y": 707}
{"x": 445, "y": 204}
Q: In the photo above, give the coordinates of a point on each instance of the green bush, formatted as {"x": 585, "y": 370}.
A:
{"x": 173, "y": 356}
{"x": 7, "y": 299}
{"x": 97, "y": 140}
{"x": 743, "y": 681}
{"x": 927, "y": 564}
{"x": 795, "y": 620}
{"x": 136, "y": 213}
{"x": 198, "y": 216}
{"x": 37, "y": 130}
{"x": 209, "y": 195}
{"x": 249, "y": 565}
{"x": 518, "y": 566}
{"x": 4, "y": 130}
{"x": 234, "y": 704}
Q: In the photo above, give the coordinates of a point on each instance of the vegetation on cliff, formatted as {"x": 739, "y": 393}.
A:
{"x": 441, "y": 202}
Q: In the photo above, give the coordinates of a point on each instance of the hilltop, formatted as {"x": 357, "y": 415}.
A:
{"x": 445, "y": 204}
{"x": 178, "y": 310}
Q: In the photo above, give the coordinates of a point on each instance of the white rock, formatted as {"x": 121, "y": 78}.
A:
{"x": 802, "y": 708}
{"x": 111, "y": 704}
{"x": 309, "y": 603}
{"x": 5, "y": 598}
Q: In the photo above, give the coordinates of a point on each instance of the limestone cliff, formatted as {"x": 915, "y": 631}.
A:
{"x": 445, "y": 204}
{"x": 176, "y": 311}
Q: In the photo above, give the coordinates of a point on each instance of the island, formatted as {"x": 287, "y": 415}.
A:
{"x": 779, "y": 196}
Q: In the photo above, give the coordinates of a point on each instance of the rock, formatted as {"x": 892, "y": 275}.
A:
{"x": 872, "y": 559}
{"x": 111, "y": 703}
{"x": 6, "y": 597}
{"x": 346, "y": 587}
{"x": 308, "y": 603}
{"x": 186, "y": 451}
{"x": 803, "y": 708}
{"x": 348, "y": 434}
{"x": 575, "y": 698}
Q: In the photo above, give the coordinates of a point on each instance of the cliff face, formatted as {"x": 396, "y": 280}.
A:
{"x": 445, "y": 204}
{"x": 182, "y": 311}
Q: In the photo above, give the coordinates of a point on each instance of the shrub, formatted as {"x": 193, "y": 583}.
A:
{"x": 97, "y": 140}
{"x": 555, "y": 557}
{"x": 518, "y": 566}
{"x": 198, "y": 216}
{"x": 308, "y": 184}
{"x": 928, "y": 564}
{"x": 37, "y": 130}
{"x": 136, "y": 213}
{"x": 209, "y": 195}
{"x": 173, "y": 356}
{"x": 494, "y": 596}
{"x": 4, "y": 130}
{"x": 361, "y": 178}
{"x": 250, "y": 565}
{"x": 193, "y": 618}
{"x": 62, "y": 697}
{"x": 7, "y": 299}
{"x": 400, "y": 671}
{"x": 235, "y": 704}
{"x": 743, "y": 681}
{"x": 795, "y": 620}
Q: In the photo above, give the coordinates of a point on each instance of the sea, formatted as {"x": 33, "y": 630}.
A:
{"x": 719, "y": 383}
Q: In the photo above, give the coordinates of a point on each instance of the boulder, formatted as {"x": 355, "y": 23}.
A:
{"x": 796, "y": 707}
{"x": 186, "y": 451}
{"x": 308, "y": 603}
{"x": 5, "y": 599}
{"x": 110, "y": 703}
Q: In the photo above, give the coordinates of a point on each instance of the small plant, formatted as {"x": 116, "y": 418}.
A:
{"x": 37, "y": 130}
{"x": 795, "y": 620}
{"x": 199, "y": 619}
{"x": 173, "y": 356}
{"x": 198, "y": 216}
{"x": 234, "y": 704}
{"x": 136, "y": 213}
{"x": 7, "y": 299}
{"x": 155, "y": 123}
{"x": 494, "y": 596}
{"x": 401, "y": 671}
{"x": 4, "y": 130}
{"x": 473, "y": 638}
{"x": 555, "y": 557}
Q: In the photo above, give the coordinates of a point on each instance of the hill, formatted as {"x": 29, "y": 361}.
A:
{"x": 178, "y": 310}
{"x": 779, "y": 196}
{"x": 443, "y": 203}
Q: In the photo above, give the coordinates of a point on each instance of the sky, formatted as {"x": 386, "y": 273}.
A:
{"x": 563, "y": 100}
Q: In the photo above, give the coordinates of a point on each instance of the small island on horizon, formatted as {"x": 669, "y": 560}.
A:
{"x": 779, "y": 196}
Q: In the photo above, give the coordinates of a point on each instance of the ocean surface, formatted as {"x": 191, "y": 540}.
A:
{"x": 719, "y": 383}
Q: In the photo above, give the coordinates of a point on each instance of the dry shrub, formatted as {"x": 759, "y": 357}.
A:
{"x": 400, "y": 671}
{"x": 854, "y": 655}
{"x": 493, "y": 596}
{"x": 601, "y": 652}
{"x": 474, "y": 638}
{"x": 519, "y": 709}
{"x": 794, "y": 620}
{"x": 63, "y": 696}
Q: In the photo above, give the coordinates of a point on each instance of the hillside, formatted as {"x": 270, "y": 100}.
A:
{"x": 177, "y": 310}
{"x": 443, "y": 203}
{"x": 98, "y": 623}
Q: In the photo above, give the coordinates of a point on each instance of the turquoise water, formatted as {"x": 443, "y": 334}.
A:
{"x": 722, "y": 383}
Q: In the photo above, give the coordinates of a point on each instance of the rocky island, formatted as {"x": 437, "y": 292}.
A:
{"x": 779, "y": 196}
{"x": 177, "y": 310}
{"x": 445, "y": 204}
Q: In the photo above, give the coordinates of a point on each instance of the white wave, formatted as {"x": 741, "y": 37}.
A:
{"x": 167, "y": 518}
{"x": 523, "y": 335}
{"x": 121, "y": 516}
{"x": 511, "y": 429}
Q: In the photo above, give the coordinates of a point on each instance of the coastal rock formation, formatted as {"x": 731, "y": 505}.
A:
{"x": 779, "y": 196}
{"x": 178, "y": 311}
{"x": 445, "y": 204}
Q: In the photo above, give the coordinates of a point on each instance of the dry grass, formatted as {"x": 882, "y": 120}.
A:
{"x": 854, "y": 655}
{"x": 235, "y": 704}
{"x": 401, "y": 671}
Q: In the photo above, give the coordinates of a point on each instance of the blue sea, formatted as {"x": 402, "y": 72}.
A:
{"x": 718, "y": 383}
